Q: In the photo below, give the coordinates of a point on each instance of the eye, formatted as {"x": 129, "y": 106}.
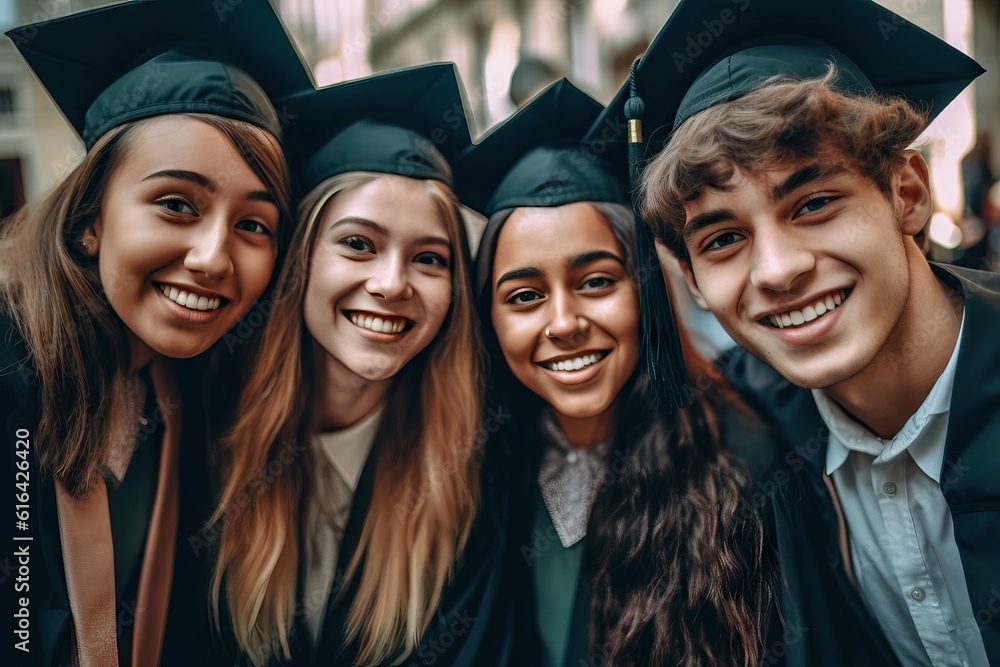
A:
{"x": 431, "y": 258}
{"x": 813, "y": 205}
{"x": 524, "y": 298}
{"x": 253, "y": 226}
{"x": 357, "y": 243}
{"x": 598, "y": 282}
{"x": 177, "y": 205}
{"x": 724, "y": 241}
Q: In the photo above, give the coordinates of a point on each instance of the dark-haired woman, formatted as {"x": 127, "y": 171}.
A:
{"x": 634, "y": 538}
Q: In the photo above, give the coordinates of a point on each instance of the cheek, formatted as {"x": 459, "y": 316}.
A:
{"x": 436, "y": 295}
{"x": 254, "y": 272}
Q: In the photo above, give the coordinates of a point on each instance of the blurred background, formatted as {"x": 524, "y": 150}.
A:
{"x": 506, "y": 50}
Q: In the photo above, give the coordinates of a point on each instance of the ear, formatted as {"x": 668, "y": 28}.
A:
{"x": 90, "y": 240}
{"x": 692, "y": 284}
{"x": 912, "y": 194}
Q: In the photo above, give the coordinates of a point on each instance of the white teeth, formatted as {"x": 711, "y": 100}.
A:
{"x": 379, "y": 324}
{"x": 575, "y": 364}
{"x": 810, "y": 312}
{"x": 189, "y": 299}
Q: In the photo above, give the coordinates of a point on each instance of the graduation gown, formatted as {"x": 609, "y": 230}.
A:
{"x": 744, "y": 437}
{"x": 43, "y": 580}
{"x": 820, "y": 593}
{"x": 468, "y": 629}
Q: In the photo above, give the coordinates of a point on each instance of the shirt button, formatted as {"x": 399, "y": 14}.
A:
{"x": 917, "y": 594}
{"x": 143, "y": 421}
{"x": 572, "y": 457}
{"x": 889, "y": 488}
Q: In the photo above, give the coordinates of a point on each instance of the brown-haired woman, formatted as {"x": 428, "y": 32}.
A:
{"x": 354, "y": 462}
{"x": 148, "y": 252}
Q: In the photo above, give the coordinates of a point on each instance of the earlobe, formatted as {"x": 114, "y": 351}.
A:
{"x": 693, "y": 284}
{"x": 912, "y": 194}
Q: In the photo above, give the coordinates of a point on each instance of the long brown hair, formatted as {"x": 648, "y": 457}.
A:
{"x": 53, "y": 292}
{"x": 426, "y": 476}
{"x": 680, "y": 571}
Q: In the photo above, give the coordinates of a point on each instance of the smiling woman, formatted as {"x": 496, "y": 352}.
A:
{"x": 148, "y": 252}
{"x": 632, "y": 533}
{"x": 363, "y": 551}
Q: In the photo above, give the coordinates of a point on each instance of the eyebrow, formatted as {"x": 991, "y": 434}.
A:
{"x": 589, "y": 257}
{"x": 805, "y": 175}
{"x": 207, "y": 183}
{"x": 184, "y": 175}
{"x": 707, "y": 219}
{"x": 379, "y": 229}
{"x": 519, "y": 274}
{"x": 574, "y": 263}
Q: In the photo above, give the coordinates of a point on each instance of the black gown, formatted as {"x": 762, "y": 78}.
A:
{"x": 188, "y": 638}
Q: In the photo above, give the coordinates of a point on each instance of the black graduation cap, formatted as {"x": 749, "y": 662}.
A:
{"x": 538, "y": 158}
{"x": 143, "y": 58}
{"x": 714, "y": 51}
{"x": 535, "y": 157}
{"x": 410, "y": 122}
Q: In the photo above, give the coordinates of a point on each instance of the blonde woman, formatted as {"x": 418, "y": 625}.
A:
{"x": 141, "y": 256}
{"x": 353, "y": 478}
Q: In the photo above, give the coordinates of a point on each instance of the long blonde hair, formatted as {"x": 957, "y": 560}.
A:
{"x": 426, "y": 476}
{"x": 54, "y": 294}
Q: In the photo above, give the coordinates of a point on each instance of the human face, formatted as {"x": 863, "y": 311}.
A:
{"x": 564, "y": 308}
{"x": 380, "y": 282}
{"x": 186, "y": 237}
{"x": 807, "y": 266}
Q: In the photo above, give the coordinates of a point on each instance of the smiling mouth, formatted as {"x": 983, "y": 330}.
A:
{"x": 574, "y": 363}
{"x": 813, "y": 311}
{"x": 189, "y": 300}
{"x": 379, "y": 323}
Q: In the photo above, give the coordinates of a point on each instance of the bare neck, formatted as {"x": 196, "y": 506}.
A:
{"x": 341, "y": 398}
{"x": 892, "y": 387}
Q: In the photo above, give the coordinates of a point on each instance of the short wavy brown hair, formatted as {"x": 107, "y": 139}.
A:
{"x": 785, "y": 121}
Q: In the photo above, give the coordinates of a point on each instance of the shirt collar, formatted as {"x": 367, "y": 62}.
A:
{"x": 348, "y": 449}
{"x": 928, "y": 453}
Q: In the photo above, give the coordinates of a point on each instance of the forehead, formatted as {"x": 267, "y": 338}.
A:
{"x": 183, "y": 144}
{"x": 404, "y": 207}
{"x": 547, "y": 237}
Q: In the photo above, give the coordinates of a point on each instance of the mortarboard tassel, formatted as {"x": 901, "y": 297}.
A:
{"x": 661, "y": 344}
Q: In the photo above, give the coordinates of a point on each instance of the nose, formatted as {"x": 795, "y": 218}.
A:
{"x": 568, "y": 324}
{"x": 209, "y": 252}
{"x": 390, "y": 280}
{"x": 778, "y": 260}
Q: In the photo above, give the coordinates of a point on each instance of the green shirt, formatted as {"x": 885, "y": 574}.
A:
{"x": 555, "y": 572}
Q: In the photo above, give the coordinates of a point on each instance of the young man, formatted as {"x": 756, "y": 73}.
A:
{"x": 792, "y": 203}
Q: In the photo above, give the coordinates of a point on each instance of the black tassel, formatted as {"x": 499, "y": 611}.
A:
{"x": 661, "y": 343}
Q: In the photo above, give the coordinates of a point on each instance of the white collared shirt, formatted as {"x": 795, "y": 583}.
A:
{"x": 906, "y": 560}
{"x": 340, "y": 457}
